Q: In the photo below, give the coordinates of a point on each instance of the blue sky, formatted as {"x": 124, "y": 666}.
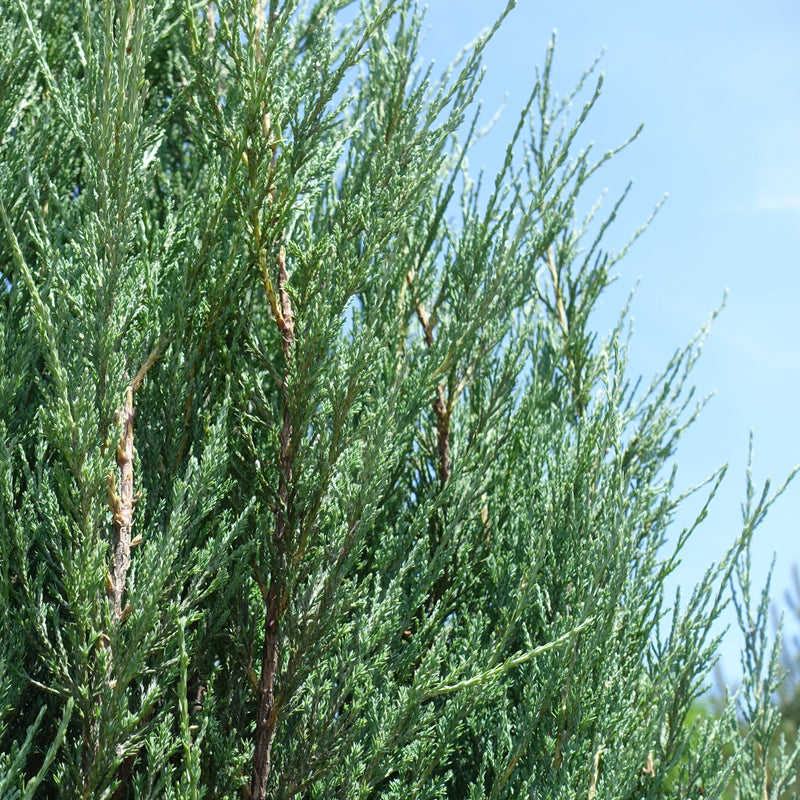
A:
{"x": 717, "y": 86}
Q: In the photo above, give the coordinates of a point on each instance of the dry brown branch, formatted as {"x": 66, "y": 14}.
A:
{"x": 259, "y": 12}
{"x": 122, "y": 508}
{"x": 442, "y": 412}
{"x": 123, "y": 502}
{"x": 595, "y": 773}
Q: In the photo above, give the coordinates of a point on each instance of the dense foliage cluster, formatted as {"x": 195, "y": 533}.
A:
{"x": 314, "y": 480}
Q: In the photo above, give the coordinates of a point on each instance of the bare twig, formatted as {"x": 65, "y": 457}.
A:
{"x": 123, "y": 502}
{"x": 442, "y": 412}
{"x": 122, "y": 508}
{"x": 595, "y": 773}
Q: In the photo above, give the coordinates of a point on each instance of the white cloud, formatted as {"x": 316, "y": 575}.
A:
{"x": 770, "y": 199}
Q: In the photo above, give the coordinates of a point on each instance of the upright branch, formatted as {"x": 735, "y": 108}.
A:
{"x": 122, "y": 504}
{"x": 560, "y": 311}
{"x": 561, "y": 315}
{"x": 275, "y": 597}
{"x": 441, "y": 408}
{"x": 443, "y": 428}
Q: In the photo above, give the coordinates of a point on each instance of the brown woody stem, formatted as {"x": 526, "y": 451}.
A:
{"x": 122, "y": 503}
{"x": 268, "y": 705}
{"x": 122, "y": 508}
{"x": 443, "y": 430}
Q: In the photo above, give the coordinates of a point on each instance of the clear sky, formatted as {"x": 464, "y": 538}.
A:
{"x": 717, "y": 86}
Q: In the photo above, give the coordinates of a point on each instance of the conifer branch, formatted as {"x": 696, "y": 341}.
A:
{"x": 514, "y": 661}
{"x": 268, "y": 704}
{"x": 122, "y": 504}
{"x": 565, "y": 698}
{"x": 563, "y": 321}
{"x": 595, "y": 772}
{"x": 43, "y": 318}
{"x": 562, "y": 314}
{"x": 441, "y": 408}
{"x": 416, "y": 662}
{"x": 155, "y": 354}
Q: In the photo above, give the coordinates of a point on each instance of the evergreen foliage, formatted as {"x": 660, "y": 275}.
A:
{"x": 780, "y": 739}
{"x": 315, "y": 481}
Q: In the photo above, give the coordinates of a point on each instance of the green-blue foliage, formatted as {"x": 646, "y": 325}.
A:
{"x": 373, "y": 425}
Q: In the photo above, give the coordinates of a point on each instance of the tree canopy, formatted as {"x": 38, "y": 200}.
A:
{"x": 315, "y": 480}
